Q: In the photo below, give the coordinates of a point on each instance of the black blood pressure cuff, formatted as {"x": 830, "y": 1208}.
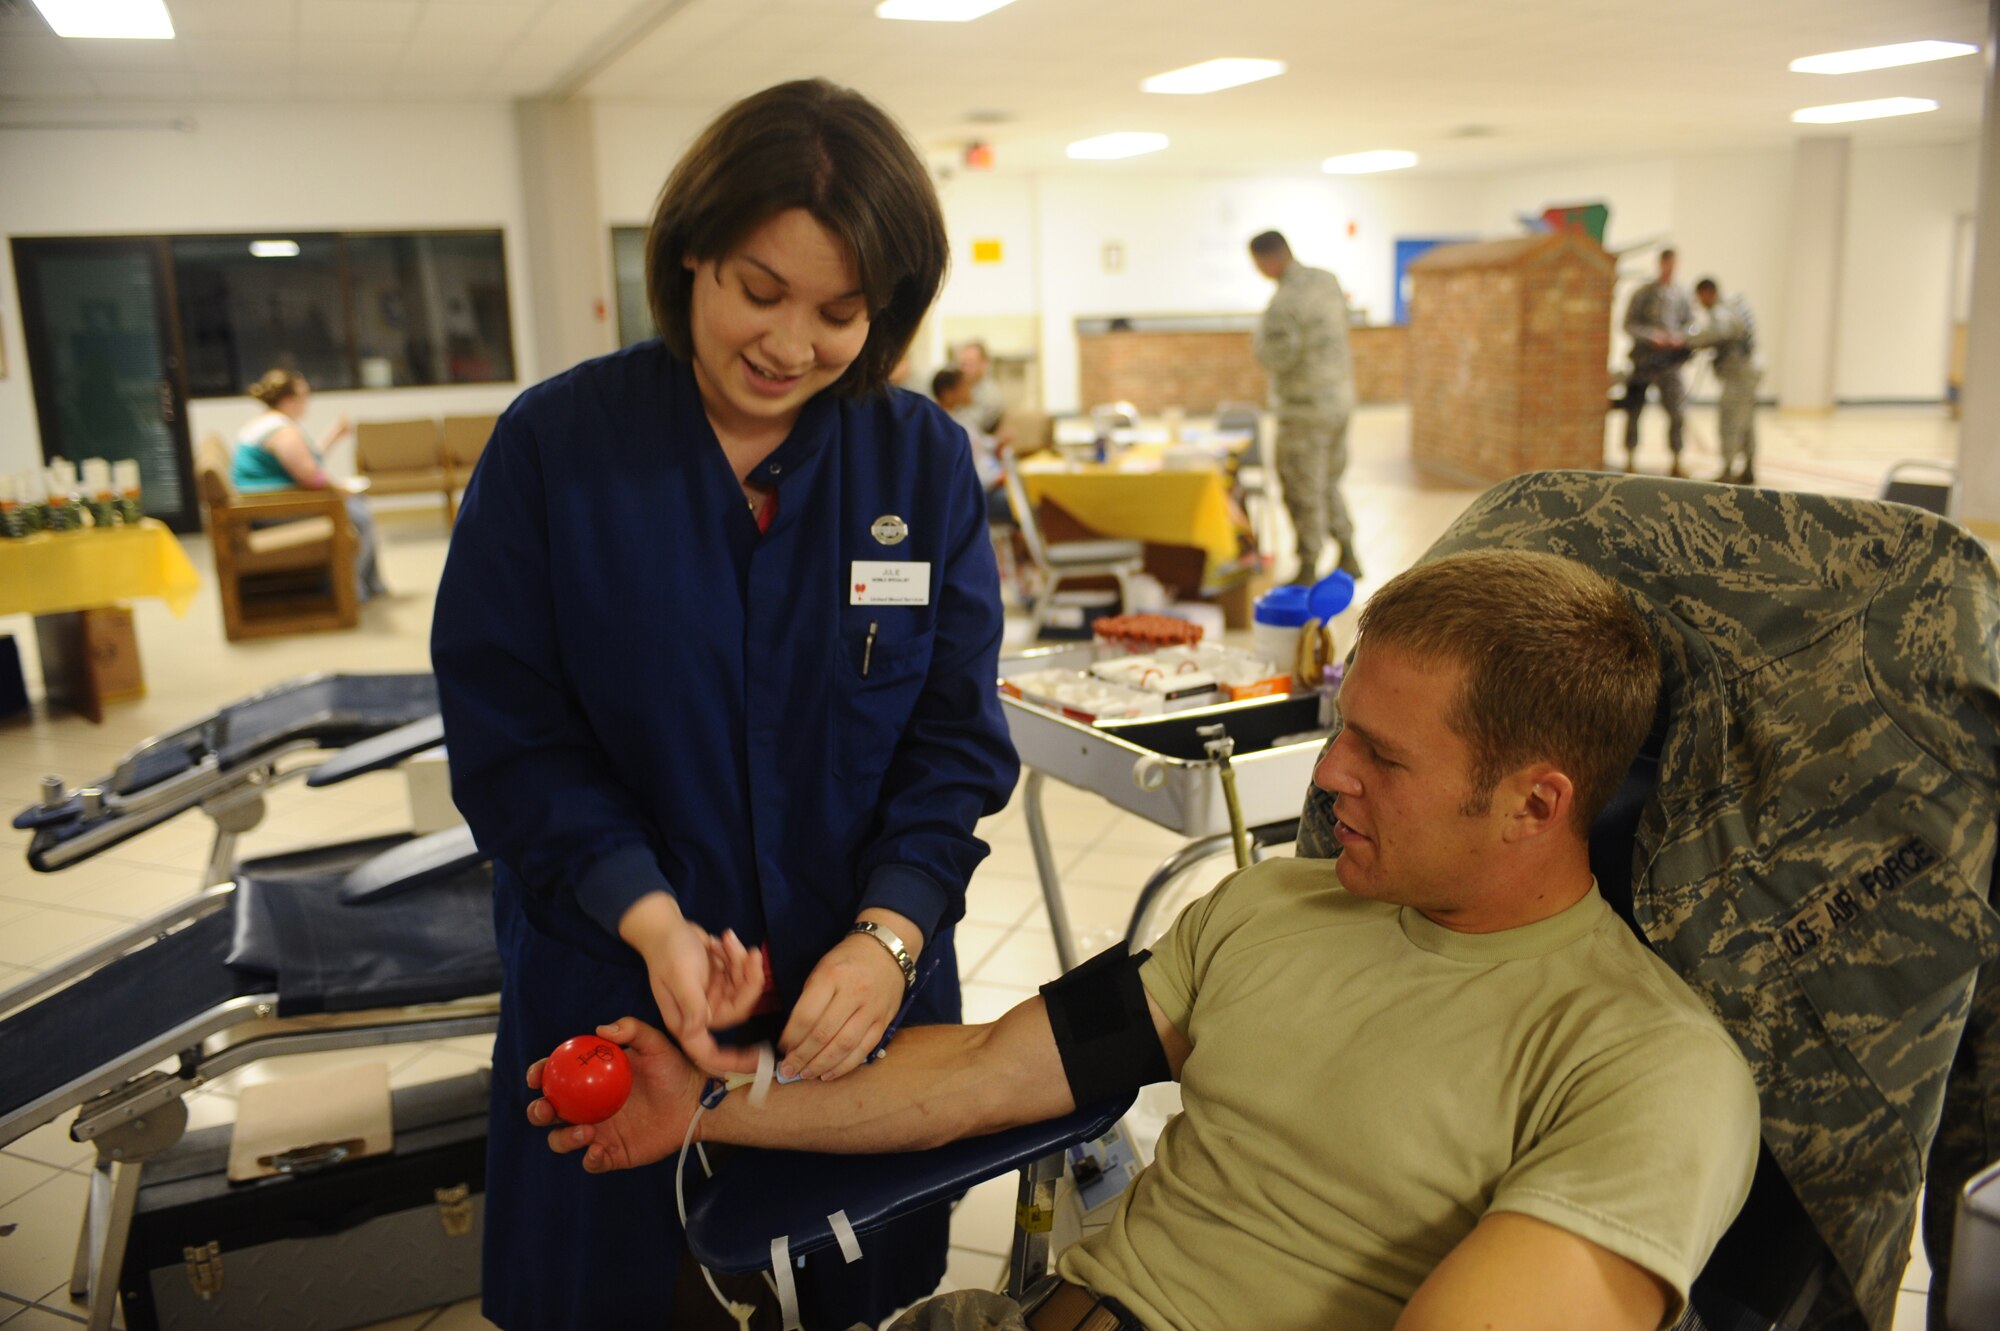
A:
{"x": 1103, "y": 1028}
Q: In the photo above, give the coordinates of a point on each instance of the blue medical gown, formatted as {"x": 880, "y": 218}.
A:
{"x": 641, "y": 691}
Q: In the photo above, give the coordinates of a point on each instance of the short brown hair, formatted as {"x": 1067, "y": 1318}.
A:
{"x": 1265, "y": 244}
{"x": 277, "y": 384}
{"x": 814, "y": 145}
{"x": 1558, "y": 665}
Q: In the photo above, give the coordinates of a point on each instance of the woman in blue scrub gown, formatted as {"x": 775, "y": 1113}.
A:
{"x": 716, "y": 645}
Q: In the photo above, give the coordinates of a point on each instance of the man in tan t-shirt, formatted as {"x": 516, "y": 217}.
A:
{"x": 1435, "y": 1083}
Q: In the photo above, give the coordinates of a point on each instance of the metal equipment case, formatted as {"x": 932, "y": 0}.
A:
{"x": 343, "y": 1246}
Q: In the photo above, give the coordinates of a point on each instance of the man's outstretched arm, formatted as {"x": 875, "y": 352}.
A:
{"x": 936, "y": 1084}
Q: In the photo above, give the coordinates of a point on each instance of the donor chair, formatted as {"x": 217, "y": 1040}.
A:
{"x": 1808, "y": 840}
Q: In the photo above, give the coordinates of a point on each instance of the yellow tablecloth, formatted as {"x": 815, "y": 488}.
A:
{"x": 49, "y": 574}
{"x": 1165, "y": 507}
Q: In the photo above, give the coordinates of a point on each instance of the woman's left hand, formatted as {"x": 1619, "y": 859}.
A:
{"x": 849, "y": 1000}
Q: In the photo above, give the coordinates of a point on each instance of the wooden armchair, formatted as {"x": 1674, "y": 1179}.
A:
{"x": 284, "y": 559}
{"x": 464, "y": 439}
{"x": 404, "y": 457}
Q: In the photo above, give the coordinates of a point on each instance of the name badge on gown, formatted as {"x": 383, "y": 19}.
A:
{"x": 886, "y": 582}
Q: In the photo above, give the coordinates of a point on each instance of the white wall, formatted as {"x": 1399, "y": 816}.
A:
{"x": 1903, "y": 206}
{"x": 1182, "y": 237}
{"x": 250, "y": 167}
{"x": 1182, "y": 242}
{"x": 1727, "y": 213}
{"x": 636, "y": 147}
{"x": 1732, "y": 212}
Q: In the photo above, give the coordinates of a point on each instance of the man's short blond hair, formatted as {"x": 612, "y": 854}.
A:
{"x": 1558, "y": 665}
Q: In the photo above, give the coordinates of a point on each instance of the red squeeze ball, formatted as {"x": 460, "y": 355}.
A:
{"x": 586, "y": 1079}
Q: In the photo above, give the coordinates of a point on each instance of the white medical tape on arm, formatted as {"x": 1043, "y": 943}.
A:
{"x": 781, "y": 1271}
{"x": 767, "y": 1067}
{"x": 843, "y": 1234}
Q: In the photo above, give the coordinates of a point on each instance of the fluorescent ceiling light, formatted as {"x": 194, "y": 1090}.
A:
{"x": 1361, "y": 164}
{"x": 1842, "y": 112}
{"x": 938, "y": 11}
{"x": 1108, "y": 147}
{"x": 1213, "y": 75}
{"x": 1880, "y": 57}
{"x": 107, "y": 18}
{"x": 275, "y": 249}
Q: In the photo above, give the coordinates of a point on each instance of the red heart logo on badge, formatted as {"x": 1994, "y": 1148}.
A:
{"x": 860, "y": 587}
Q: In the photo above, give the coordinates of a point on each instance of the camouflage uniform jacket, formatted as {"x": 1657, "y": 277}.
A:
{"x": 1656, "y": 310}
{"x": 1302, "y": 342}
{"x": 1732, "y": 332}
{"x": 1817, "y": 855}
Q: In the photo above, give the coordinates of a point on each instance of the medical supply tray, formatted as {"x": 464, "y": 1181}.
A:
{"x": 1158, "y": 767}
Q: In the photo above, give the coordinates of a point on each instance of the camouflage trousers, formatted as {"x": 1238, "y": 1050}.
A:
{"x": 983, "y": 1310}
{"x": 1737, "y": 419}
{"x": 1673, "y": 400}
{"x": 1311, "y": 458}
{"x": 961, "y": 1310}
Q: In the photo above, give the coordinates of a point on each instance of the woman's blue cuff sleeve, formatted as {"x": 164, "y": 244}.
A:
{"x": 609, "y": 887}
{"x": 910, "y": 892}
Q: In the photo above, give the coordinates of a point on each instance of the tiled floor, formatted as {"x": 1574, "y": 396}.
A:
{"x": 1005, "y": 946}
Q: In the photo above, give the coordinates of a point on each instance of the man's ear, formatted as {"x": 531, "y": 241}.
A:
{"x": 1542, "y": 798}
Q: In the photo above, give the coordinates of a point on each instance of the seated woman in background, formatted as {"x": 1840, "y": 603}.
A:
{"x": 274, "y": 452}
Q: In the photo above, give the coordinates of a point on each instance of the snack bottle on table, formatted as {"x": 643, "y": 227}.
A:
{"x": 32, "y": 489}
{"x": 65, "y": 512}
{"x": 125, "y": 481}
{"x": 99, "y": 499}
{"x": 13, "y": 520}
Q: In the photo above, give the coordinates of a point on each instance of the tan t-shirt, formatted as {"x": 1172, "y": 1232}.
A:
{"x": 1365, "y": 1085}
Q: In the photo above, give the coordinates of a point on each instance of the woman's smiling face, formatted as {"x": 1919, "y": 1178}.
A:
{"x": 774, "y": 321}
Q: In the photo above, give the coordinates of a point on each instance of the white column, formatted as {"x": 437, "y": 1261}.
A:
{"x": 567, "y": 242}
{"x": 1979, "y": 418}
{"x": 1805, "y": 357}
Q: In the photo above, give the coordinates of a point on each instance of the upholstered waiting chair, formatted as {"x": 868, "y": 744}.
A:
{"x": 284, "y": 559}
{"x": 404, "y": 457}
{"x": 463, "y": 439}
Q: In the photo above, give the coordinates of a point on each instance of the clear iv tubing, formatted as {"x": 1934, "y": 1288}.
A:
{"x": 741, "y": 1313}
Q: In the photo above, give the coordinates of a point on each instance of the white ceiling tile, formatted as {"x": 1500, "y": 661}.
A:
{"x": 351, "y": 51}
{"x": 101, "y": 55}
{"x": 234, "y": 18}
{"x": 357, "y": 20}
{"x": 267, "y": 82}
{"x": 206, "y": 55}
{"x": 137, "y": 86}
{"x": 494, "y": 22}
{"x": 23, "y": 84}
{"x": 453, "y": 54}
{"x": 26, "y": 50}
{"x": 434, "y": 86}
{"x": 1551, "y": 79}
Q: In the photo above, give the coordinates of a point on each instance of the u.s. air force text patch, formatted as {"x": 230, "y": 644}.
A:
{"x": 1831, "y": 907}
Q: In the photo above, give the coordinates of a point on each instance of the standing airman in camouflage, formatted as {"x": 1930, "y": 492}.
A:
{"x": 1658, "y": 319}
{"x": 1302, "y": 342}
{"x": 1731, "y": 332}
{"x": 1816, "y": 856}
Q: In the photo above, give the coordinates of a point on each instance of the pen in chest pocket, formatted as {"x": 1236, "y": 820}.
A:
{"x": 868, "y": 648}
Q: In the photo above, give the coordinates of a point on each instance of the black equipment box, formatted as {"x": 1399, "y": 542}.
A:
{"x": 342, "y": 1246}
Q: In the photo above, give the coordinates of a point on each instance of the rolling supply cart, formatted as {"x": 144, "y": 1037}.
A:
{"x": 1166, "y": 770}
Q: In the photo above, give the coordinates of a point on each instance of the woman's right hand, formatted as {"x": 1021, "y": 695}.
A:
{"x": 691, "y": 976}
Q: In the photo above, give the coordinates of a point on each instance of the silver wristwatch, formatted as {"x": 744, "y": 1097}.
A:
{"x": 887, "y": 938}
